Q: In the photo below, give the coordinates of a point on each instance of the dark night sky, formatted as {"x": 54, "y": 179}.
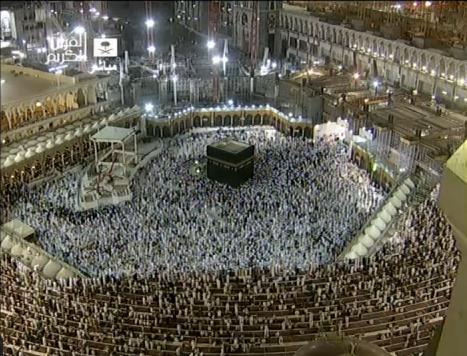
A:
{"x": 135, "y": 12}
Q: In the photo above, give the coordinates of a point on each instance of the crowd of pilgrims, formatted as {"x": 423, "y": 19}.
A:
{"x": 303, "y": 204}
{"x": 400, "y": 295}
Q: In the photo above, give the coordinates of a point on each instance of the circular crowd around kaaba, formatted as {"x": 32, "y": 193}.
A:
{"x": 303, "y": 204}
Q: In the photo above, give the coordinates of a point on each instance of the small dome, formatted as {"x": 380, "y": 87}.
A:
{"x": 19, "y": 156}
{"x": 366, "y": 241}
{"x": 78, "y": 132}
{"x": 409, "y": 183}
{"x": 29, "y": 153}
{"x": 95, "y": 125}
{"x": 69, "y": 136}
{"x": 400, "y": 195}
{"x": 49, "y": 144}
{"x": 351, "y": 255}
{"x": 405, "y": 189}
{"x": 87, "y": 128}
{"x": 360, "y": 250}
{"x": 373, "y": 232}
{"x": 59, "y": 140}
{"x": 390, "y": 209}
{"x": 384, "y": 216}
{"x": 396, "y": 202}
{"x": 10, "y": 160}
{"x": 379, "y": 223}
{"x": 40, "y": 148}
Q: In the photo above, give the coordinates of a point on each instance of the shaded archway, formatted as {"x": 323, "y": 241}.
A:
{"x": 257, "y": 120}
{"x": 175, "y": 128}
{"x": 196, "y": 121}
{"x": 165, "y": 131}
{"x": 218, "y": 120}
{"x": 80, "y": 98}
{"x": 206, "y": 122}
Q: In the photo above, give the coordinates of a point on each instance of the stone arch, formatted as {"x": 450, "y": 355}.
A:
{"x": 406, "y": 56}
{"x": 389, "y": 53}
{"x": 165, "y": 131}
{"x": 301, "y": 26}
{"x": 360, "y": 43}
{"x": 205, "y": 121}
{"x": 381, "y": 49}
{"x": 157, "y": 131}
{"x": 196, "y": 121}
{"x": 227, "y": 120}
{"x": 334, "y": 35}
{"x": 374, "y": 47}
{"x": 339, "y": 37}
{"x": 49, "y": 106}
{"x": 451, "y": 71}
{"x": 461, "y": 74}
{"x": 248, "y": 120}
{"x": 298, "y": 132}
{"x": 81, "y": 98}
{"x": 92, "y": 95}
{"x": 218, "y": 120}
{"x": 442, "y": 68}
{"x": 414, "y": 59}
{"x": 423, "y": 62}
{"x": 310, "y": 29}
{"x": 308, "y": 132}
{"x": 266, "y": 120}
{"x": 236, "y": 120}
{"x": 367, "y": 44}
{"x": 346, "y": 39}
{"x": 328, "y": 34}
{"x": 295, "y": 27}
{"x": 257, "y": 119}
{"x": 182, "y": 125}
{"x": 286, "y": 22}
{"x": 431, "y": 66}
{"x": 397, "y": 54}
{"x": 175, "y": 128}
{"x": 244, "y": 19}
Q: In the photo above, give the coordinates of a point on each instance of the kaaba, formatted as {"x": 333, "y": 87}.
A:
{"x": 230, "y": 162}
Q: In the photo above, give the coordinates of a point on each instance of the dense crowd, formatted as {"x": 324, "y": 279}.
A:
{"x": 394, "y": 300}
{"x": 303, "y": 205}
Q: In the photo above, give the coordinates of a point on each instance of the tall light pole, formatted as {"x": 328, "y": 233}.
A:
{"x": 149, "y": 30}
{"x": 150, "y": 38}
{"x": 174, "y": 78}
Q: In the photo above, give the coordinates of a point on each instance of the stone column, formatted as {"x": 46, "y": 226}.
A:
{"x": 453, "y": 202}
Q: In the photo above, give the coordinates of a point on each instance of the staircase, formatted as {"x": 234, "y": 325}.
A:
{"x": 423, "y": 187}
{"x": 407, "y": 194}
